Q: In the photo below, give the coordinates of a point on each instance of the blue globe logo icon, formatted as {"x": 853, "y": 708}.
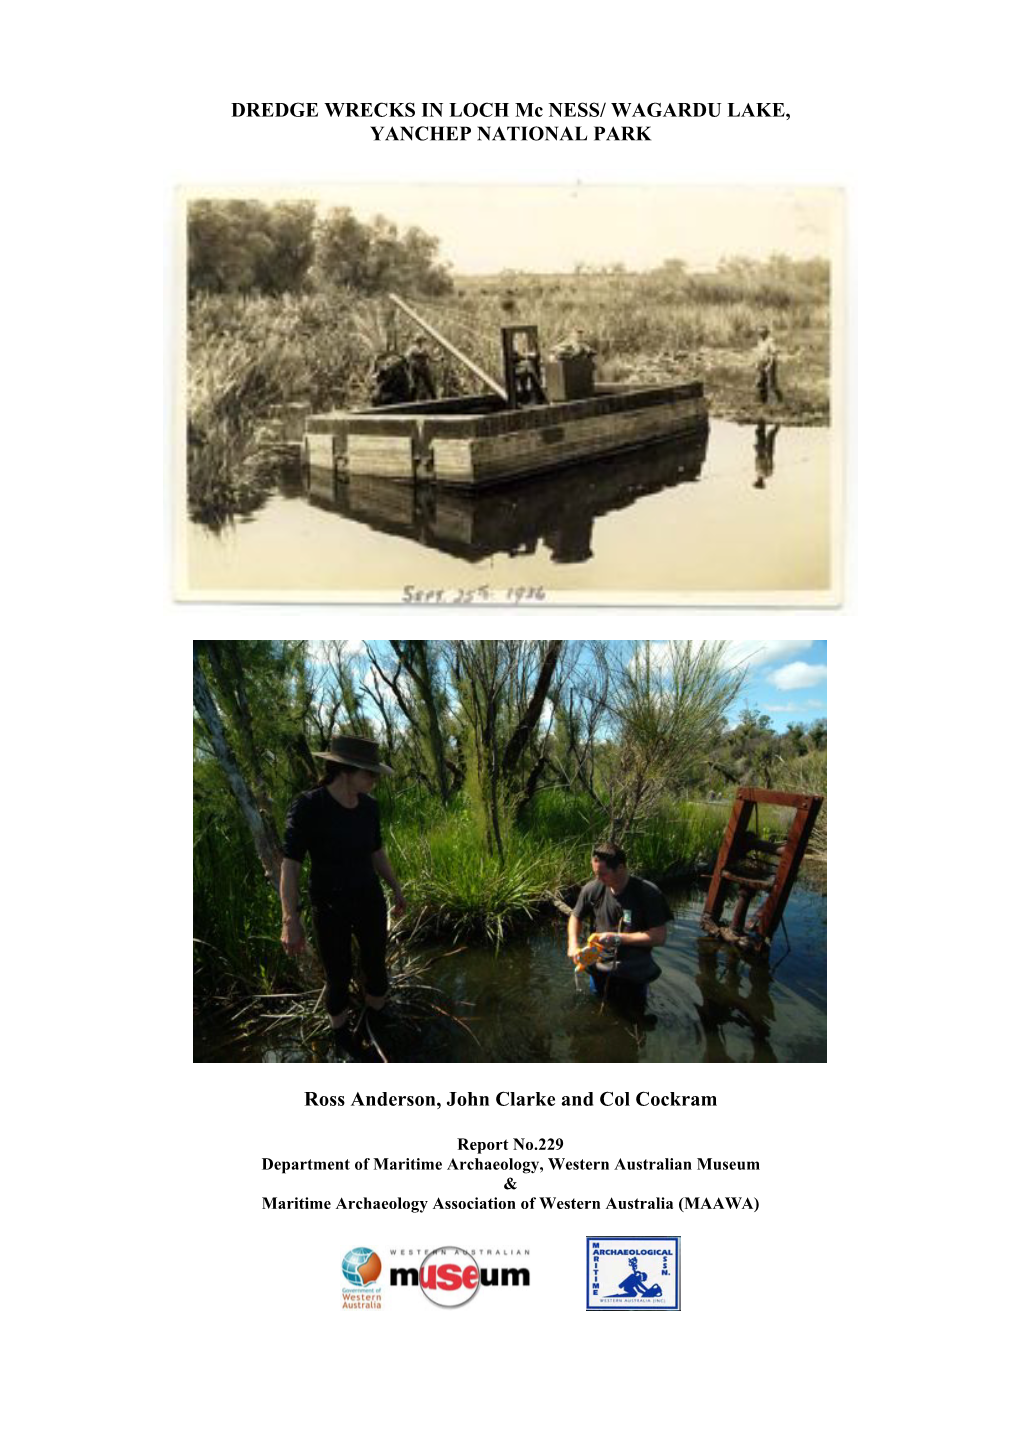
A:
{"x": 360, "y": 1267}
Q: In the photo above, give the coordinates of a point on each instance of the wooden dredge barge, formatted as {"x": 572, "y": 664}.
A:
{"x": 541, "y": 417}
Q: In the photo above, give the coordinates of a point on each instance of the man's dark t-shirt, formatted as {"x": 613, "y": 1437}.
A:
{"x": 637, "y": 908}
{"x": 340, "y": 841}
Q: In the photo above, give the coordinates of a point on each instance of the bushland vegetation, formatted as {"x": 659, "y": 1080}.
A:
{"x": 285, "y": 305}
{"x": 511, "y": 759}
{"x": 243, "y": 247}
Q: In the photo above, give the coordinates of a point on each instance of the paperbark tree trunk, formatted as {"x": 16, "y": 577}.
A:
{"x": 263, "y": 834}
{"x": 413, "y": 656}
{"x": 533, "y": 712}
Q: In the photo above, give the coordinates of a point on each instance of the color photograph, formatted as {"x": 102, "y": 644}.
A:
{"x": 510, "y": 851}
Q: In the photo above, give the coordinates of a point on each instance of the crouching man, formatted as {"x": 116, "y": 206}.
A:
{"x": 629, "y": 915}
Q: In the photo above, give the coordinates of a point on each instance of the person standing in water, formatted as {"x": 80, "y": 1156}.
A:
{"x": 337, "y": 825}
{"x": 629, "y": 917}
{"x": 766, "y": 361}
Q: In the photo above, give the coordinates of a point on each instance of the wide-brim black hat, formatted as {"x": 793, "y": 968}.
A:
{"x": 356, "y": 752}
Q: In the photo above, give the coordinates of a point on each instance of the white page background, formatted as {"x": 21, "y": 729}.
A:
{"x": 154, "y": 1297}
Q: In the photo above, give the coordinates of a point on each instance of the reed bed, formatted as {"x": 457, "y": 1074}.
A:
{"x": 235, "y": 918}
{"x": 457, "y": 887}
{"x": 414, "y": 1003}
{"x": 248, "y": 354}
{"x": 809, "y": 773}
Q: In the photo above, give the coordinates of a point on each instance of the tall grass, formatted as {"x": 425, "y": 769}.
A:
{"x": 677, "y": 840}
{"x": 236, "y": 917}
{"x": 458, "y": 888}
{"x": 809, "y": 773}
{"x": 633, "y": 315}
{"x": 246, "y": 354}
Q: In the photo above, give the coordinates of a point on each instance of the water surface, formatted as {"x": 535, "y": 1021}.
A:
{"x": 749, "y": 513}
{"x": 524, "y": 1004}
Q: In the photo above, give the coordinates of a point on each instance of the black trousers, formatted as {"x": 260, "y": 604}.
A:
{"x": 339, "y": 918}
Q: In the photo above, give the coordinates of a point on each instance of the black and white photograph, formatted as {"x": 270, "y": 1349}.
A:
{"x": 451, "y": 394}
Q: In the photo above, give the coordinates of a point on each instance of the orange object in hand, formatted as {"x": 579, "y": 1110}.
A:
{"x": 592, "y": 952}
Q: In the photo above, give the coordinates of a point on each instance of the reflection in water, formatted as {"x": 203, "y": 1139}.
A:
{"x": 764, "y": 453}
{"x": 736, "y": 990}
{"x": 668, "y": 518}
{"x": 524, "y": 1004}
{"x": 558, "y": 510}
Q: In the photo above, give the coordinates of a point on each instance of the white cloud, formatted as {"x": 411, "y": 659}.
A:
{"x": 756, "y": 654}
{"x": 798, "y": 674}
{"x": 318, "y": 650}
{"x": 810, "y": 704}
{"x": 750, "y": 654}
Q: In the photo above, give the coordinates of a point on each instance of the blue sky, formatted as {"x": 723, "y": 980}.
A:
{"x": 786, "y": 679}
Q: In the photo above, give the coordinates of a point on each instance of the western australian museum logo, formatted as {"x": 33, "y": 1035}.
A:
{"x": 452, "y": 1276}
{"x": 630, "y": 1274}
{"x": 361, "y": 1270}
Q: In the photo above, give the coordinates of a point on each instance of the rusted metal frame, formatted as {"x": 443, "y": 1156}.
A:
{"x": 771, "y": 912}
{"x": 772, "y": 799}
{"x": 740, "y": 818}
{"x": 744, "y": 895}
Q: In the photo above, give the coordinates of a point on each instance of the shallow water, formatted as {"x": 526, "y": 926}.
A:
{"x": 524, "y": 1005}
{"x": 750, "y": 513}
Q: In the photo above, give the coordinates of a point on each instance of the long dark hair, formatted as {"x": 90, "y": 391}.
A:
{"x": 332, "y": 770}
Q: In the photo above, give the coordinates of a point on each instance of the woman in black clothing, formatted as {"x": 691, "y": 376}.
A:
{"x": 337, "y": 825}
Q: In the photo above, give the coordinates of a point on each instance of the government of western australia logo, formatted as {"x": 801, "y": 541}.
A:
{"x": 633, "y": 1275}
{"x": 361, "y": 1270}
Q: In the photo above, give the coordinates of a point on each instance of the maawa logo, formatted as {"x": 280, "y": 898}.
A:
{"x": 650, "y": 1283}
{"x": 448, "y": 1276}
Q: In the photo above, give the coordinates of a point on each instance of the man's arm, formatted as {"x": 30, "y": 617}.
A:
{"x": 573, "y": 935}
{"x": 654, "y": 937}
{"x": 293, "y": 934}
{"x": 381, "y": 863}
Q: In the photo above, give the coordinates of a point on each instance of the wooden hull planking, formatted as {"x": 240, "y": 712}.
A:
{"x": 474, "y": 442}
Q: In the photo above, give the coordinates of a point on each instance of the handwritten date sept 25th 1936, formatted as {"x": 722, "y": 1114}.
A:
{"x": 465, "y": 595}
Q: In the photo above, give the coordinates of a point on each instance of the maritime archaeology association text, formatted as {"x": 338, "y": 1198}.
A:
{"x": 694, "y": 1203}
